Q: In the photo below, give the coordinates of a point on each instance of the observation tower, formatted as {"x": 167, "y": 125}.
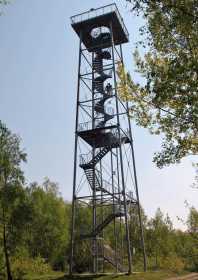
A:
{"x": 105, "y": 190}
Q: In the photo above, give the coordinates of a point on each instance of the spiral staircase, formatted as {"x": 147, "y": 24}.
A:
{"x": 110, "y": 140}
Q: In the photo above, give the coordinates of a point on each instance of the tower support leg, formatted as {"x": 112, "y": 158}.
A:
{"x": 135, "y": 179}
{"x": 121, "y": 159}
{"x": 71, "y": 264}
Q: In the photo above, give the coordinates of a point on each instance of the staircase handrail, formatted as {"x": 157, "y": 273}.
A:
{"x": 84, "y": 158}
{"x": 84, "y": 126}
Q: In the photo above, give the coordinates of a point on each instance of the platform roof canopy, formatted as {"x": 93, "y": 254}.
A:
{"x": 101, "y": 17}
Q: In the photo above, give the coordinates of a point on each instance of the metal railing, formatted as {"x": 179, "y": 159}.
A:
{"x": 88, "y": 125}
{"x": 84, "y": 126}
{"x": 92, "y": 13}
{"x": 85, "y": 158}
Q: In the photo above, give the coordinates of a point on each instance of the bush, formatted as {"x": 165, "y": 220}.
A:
{"x": 192, "y": 263}
{"x": 172, "y": 263}
{"x": 22, "y": 266}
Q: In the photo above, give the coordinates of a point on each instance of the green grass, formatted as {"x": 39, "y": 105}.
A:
{"x": 51, "y": 276}
{"x": 158, "y": 275}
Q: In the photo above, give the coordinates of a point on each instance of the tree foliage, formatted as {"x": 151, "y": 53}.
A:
{"x": 167, "y": 101}
{"x": 3, "y": 3}
{"x": 47, "y": 234}
{"x": 35, "y": 226}
{"x": 159, "y": 237}
{"x": 195, "y": 184}
{"x": 11, "y": 180}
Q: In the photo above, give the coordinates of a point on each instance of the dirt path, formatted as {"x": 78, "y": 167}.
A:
{"x": 192, "y": 276}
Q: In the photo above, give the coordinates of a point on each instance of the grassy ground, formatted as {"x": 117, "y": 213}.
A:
{"x": 52, "y": 276}
{"x": 159, "y": 275}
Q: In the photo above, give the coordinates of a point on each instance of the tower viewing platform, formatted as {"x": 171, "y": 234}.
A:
{"x": 108, "y": 16}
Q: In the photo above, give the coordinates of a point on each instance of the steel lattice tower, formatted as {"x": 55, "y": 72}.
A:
{"x": 104, "y": 180}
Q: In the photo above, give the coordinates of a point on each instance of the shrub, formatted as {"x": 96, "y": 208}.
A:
{"x": 172, "y": 263}
{"x": 192, "y": 263}
{"x": 22, "y": 266}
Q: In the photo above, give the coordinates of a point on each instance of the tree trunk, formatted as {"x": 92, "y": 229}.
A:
{"x": 9, "y": 275}
{"x": 156, "y": 259}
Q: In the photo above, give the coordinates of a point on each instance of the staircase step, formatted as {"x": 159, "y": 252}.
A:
{"x": 96, "y": 159}
{"x": 93, "y": 181}
{"x": 107, "y": 221}
{"x": 113, "y": 262}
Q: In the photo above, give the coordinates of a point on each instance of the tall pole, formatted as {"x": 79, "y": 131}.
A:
{"x": 102, "y": 218}
{"x": 120, "y": 207}
{"x": 94, "y": 244}
{"x": 121, "y": 158}
{"x": 135, "y": 179}
{"x": 114, "y": 211}
{"x": 75, "y": 163}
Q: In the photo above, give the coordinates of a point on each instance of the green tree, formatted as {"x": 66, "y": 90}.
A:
{"x": 11, "y": 180}
{"x": 159, "y": 244}
{"x": 83, "y": 247}
{"x": 192, "y": 245}
{"x": 192, "y": 221}
{"x": 167, "y": 101}
{"x": 48, "y": 233}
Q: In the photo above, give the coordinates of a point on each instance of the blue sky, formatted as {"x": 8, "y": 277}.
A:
{"x": 38, "y": 75}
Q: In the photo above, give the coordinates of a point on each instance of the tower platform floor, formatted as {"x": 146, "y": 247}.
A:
{"x": 102, "y": 137}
